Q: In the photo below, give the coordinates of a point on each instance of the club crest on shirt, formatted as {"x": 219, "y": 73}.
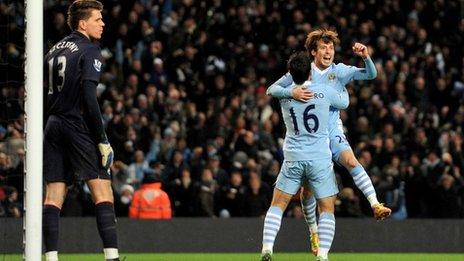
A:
{"x": 332, "y": 77}
{"x": 97, "y": 65}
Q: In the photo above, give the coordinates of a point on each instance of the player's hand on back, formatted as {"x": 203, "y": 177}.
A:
{"x": 107, "y": 154}
{"x": 302, "y": 94}
{"x": 361, "y": 50}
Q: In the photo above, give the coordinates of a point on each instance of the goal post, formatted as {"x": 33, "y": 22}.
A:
{"x": 32, "y": 229}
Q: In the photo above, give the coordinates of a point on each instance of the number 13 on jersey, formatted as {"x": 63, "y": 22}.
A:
{"x": 56, "y": 78}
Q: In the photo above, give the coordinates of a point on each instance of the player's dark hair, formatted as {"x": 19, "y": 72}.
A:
{"x": 325, "y": 35}
{"x": 81, "y": 10}
{"x": 299, "y": 66}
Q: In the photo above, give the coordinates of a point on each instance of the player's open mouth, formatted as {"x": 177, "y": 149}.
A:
{"x": 326, "y": 59}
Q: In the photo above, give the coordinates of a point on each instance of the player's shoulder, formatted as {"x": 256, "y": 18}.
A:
{"x": 340, "y": 66}
{"x": 342, "y": 69}
{"x": 86, "y": 46}
{"x": 92, "y": 56}
{"x": 91, "y": 49}
{"x": 92, "y": 53}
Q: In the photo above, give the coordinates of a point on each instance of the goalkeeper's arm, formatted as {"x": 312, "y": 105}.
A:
{"x": 94, "y": 115}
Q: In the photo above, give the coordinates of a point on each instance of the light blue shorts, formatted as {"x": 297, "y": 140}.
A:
{"x": 338, "y": 142}
{"x": 319, "y": 174}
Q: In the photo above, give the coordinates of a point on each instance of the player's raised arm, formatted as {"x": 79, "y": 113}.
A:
{"x": 350, "y": 73}
{"x": 369, "y": 72}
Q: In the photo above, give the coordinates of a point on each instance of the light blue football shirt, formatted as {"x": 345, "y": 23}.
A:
{"x": 307, "y": 122}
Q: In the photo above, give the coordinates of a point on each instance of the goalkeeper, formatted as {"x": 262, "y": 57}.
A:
{"x": 75, "y": 143}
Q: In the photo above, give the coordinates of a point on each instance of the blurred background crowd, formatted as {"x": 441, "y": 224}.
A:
{"x": 184, "y": 104}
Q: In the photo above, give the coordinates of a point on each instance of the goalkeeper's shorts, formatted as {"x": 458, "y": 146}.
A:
{"x": 69, "y": 153}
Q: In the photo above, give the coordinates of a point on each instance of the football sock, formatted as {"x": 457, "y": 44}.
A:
{"x": 364, "y": 183}
{"x": 326, "y": 233}
{"x": 106, "y": 224}
{"x": 271, "y": 227}
{"x": 308, "y": 205}
{"x": 50, "y": 226}
{"x": 111, "y": 253}
{"x": 51, "y": 256}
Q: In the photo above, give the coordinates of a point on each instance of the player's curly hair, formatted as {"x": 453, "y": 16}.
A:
{"x": 323, "y": 34}
{"x": 81, "y": 10}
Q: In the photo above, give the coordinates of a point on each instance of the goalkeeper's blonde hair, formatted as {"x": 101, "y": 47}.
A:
{"x": 323, "y": 34}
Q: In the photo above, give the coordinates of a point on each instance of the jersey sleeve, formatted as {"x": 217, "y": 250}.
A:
{"x": 93, "y": 109}
{"x": 91, "y": 64}
{"x": 348, "y": 73}
{"x": 281, "y": 88}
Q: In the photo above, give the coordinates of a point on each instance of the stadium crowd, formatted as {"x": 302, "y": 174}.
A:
{"x": 184, "y": 104}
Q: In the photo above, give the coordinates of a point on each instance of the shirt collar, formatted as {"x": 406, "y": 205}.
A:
{"x": 80, "y": 35}
{"x": 317, "y": 70}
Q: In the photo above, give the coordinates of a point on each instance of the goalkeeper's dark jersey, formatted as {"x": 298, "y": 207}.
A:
{"x": 68, "y": 63}
{"x": 72, "y": 70}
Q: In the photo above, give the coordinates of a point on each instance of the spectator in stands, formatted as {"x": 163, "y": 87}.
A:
{"x": 232, "y": 195}
{"x": 206, "y": 190}
{"x": 173, "y": 171}
{"x": 120, "y": 173}
{"x": 348, "y": 204}
{"x": 257, "y": 196}
{"x": 2, "y": 202}
{"x": 5, "y": 163}
{"x": 137, "y": 169}
{"x": 415, "y": 188}
{"x": 219, "y": 174}
{"x": 124, "y": 200}
{"x": 447, "y": 199}
{"x": 183, "y": 195}
{"x": 11, "y": 205}
{"x": 150, "y": 201}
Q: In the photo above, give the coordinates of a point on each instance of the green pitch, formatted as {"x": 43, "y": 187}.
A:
{"x": 254, "y": 256}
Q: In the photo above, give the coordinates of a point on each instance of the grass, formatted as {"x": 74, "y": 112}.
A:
{"x": 255, "y": 256}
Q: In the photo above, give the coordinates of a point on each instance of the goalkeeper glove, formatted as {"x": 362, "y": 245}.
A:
{"x": 107, "y": 154}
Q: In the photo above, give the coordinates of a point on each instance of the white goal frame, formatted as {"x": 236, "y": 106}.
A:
{"x": 33, "y": 182}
